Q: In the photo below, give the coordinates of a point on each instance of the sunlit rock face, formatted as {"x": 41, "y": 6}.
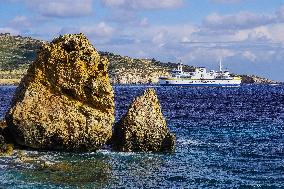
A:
{"x": 143, "y": 127}
{"x": 65, "y": 102}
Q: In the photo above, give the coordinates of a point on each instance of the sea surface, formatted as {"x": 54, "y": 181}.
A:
{"x": 226, "y": 138}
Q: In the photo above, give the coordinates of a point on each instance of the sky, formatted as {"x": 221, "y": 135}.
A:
{"x": 248, "y": 35}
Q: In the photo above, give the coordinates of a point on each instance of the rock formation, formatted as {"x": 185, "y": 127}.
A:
{"x": 65, "y": 102}
{"x": 252, "y": 79}
{"x": 2, "y": 127}
{"x": 143, "y": 127}
{"x": 5, "y": 149}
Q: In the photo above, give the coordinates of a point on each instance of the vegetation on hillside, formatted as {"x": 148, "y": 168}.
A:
{"x": 16, "y": 53}
{"x": 123, "y": 69}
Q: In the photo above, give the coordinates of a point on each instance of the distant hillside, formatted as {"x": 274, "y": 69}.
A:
{"x": 249, "y": 79}
{"x": 126, "y": 70}
{"x": 17, "y": 52}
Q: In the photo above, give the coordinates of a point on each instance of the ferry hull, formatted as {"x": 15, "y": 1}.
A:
{"x": 200, "y": 83}
{"x": 203, "y": 85}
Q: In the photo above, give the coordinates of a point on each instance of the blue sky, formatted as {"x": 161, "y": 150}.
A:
{"x": 247, "y": 34}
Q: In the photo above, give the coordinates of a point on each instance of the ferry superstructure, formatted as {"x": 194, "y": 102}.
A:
{"x": 200, "y": 77}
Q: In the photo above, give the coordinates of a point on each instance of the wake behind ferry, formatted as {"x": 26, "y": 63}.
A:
{"x": 200, "y": 77}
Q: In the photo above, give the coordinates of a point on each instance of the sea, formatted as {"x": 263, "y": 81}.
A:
{"x": 226, "y": 138}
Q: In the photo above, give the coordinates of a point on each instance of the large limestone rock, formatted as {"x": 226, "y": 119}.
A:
{"x": 65, "y": 102}
{"x": 144, "y": 127}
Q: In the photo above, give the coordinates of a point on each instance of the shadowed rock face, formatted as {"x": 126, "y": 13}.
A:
{"x": 144, "y": 127}
{"x": 5, "y": 149}
{"x": 4, "y": 132}
{"x": 65, "y": 102}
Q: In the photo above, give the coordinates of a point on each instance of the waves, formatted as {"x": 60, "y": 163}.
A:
{"x": 226, "y": 138}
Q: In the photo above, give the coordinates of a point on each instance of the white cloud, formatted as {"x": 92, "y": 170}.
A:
{"x": 20, "y": 21}
{"x": 249, "y": 55}
{"x": 277, "y": 32}
{"x": 226, "y": 1}
{"x": 101, "y": 32}
{"x": 185, "y": 40}
{"x": 113, "y": 3}
{"x": 242, "y": 20}
{"x": 144, "y": 22}
{"x": 143, "y": 4}
{"x": 128, "y": 17}
{"x": 210, "y": 55}
{"x": 9, "y": 30}
{"x": 258, "y": 34}
{"x": 9, "y": 1}
{"x": 159, "y": 38}
{"x": 171, "y": 33}
{"x": 61, "y": 8}
{"x": 280, "y": 13}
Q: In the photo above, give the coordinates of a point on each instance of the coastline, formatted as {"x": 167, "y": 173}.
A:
{"x": 9, "y": 82}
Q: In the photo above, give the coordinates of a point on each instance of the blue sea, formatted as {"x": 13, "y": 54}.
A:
{"x": 226, "y": 138}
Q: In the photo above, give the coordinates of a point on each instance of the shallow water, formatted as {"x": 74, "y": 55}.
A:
{"x": 226, "y": 138}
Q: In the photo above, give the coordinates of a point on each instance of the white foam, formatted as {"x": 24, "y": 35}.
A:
{"x": 189, "y": 142}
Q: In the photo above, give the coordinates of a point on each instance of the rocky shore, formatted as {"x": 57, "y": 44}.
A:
{"x": 65, "y": 102}
{"x": 253, "y": 79}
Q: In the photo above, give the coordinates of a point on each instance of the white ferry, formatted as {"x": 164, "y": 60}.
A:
{"x": 200, "y": 77}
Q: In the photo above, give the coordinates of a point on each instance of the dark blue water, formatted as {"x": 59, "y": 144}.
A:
{"x": 226, "y": 138}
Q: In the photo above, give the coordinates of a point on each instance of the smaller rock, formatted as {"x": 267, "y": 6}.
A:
{"x": 143, "y": 127}
{"x": 5, "y": 149}
{"x": 2, "y": 140}
{"x": 4, "y": 131}
{"x": 2, "y": 125}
